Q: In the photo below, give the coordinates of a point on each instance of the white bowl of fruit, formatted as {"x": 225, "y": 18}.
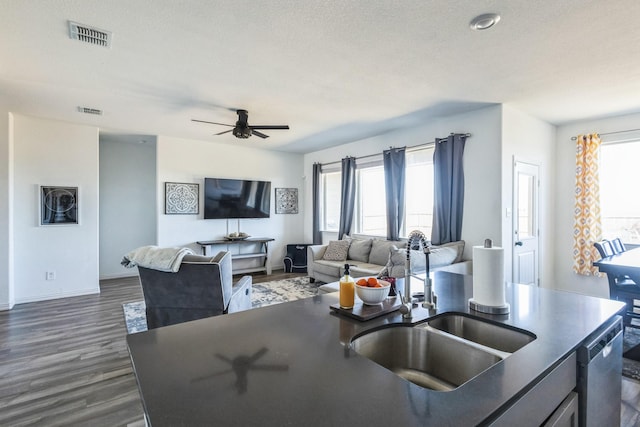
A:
{"x": 372, "y": 291}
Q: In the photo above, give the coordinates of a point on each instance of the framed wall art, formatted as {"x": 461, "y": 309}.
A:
{"x": 286, "y": 200}
{"x": 181, "y": 198}
{"x": 58, "y": 205}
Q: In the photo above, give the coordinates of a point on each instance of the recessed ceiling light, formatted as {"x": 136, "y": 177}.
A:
{"x": 484, "y": 21}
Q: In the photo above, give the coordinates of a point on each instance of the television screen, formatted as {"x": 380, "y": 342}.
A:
{"x": 236, "y": 198}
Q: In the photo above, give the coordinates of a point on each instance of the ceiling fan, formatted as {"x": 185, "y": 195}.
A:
{"x": 242, "y": 129}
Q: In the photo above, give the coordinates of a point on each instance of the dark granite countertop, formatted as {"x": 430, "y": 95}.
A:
{"x": 301, "y": 373}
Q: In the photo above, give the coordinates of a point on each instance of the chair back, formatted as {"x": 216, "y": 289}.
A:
{"x": 618, "y": 246}
{"x": 605, "y": 249}
{"x": 201, "y": 288}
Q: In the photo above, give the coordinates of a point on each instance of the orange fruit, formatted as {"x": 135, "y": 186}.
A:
{"x": 372, "y": 282}
{"x": 362, "y": 282}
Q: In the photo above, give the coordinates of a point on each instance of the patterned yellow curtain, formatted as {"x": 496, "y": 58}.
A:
{"x": 587, "y": 227}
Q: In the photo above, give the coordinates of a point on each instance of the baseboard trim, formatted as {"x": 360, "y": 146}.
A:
{"x": 7, "y": 306}
{"x": 123, "y": 275}
{"x": 48, "y": 297}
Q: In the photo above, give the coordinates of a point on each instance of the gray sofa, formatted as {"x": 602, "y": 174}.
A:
{"x": 368, "y": 257}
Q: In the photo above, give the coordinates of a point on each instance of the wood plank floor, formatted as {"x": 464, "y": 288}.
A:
{"x": 65, "y": 362}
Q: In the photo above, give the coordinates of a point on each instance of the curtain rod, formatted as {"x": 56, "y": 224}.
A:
{"x": 424, "y": 144}
{"x": 573, "y": 138}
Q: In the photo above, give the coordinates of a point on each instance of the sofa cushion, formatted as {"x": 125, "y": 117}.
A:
{"x": 359, "y": 250}
{"x": 330, "y": 268}
{"x": 337, "y": 250}
{"x": 440, "y": 256}
{"x": 448, "y": 253}
{"x": 362, "y": 269}
{"x": 380, "y": 251}
{"x": 395, "y": 263}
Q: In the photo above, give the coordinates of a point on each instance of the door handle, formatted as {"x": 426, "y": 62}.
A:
{"x": 518, "y": 243}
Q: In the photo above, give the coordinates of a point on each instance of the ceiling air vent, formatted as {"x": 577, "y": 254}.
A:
{"x": 90, "y": 35}
{"x": 87, "y": 110}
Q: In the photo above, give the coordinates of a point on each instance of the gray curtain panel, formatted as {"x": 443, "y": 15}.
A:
{"x": 394, "y": 167}
{"x": 317, "y": 236}
{"x": 448, "y": 189}
{"x": 347, "y": 195}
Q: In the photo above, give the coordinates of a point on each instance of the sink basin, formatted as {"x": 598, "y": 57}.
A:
{"x": 425, "y": 356}
{"x": 499, "y": 337}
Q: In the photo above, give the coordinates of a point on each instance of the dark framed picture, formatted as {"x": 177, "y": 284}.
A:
{"x": 58, "y": 205}
{"x": 181, "y": 198}
{"x": 286, "y": 200}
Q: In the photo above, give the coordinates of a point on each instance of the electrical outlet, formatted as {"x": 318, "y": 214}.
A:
{"x": 51, "y": 275}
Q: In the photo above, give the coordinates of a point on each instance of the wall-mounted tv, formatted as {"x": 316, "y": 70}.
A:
{"x": 236, "y": 198}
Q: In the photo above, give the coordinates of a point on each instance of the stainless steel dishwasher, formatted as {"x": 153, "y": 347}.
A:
{"x": 600, "y": 377}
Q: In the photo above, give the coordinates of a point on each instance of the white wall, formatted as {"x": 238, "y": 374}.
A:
{"x": 6, "y": 213}
{"x": 530, "y": 140}
{"x": 183, "y": 160}
{"x": 482, "y": 167}
{"x": 127, "y": 202}
{"x": 564, "y": 188}
{"x": 48, "y": 152}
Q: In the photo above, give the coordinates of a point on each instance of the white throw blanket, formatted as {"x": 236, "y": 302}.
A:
{"x": 163, "y": 259}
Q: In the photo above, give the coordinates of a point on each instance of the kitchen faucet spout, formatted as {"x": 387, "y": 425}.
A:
{"x": 417, "y": 238}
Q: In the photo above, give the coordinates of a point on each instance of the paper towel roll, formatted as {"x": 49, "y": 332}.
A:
{"x": 488, "y": 276}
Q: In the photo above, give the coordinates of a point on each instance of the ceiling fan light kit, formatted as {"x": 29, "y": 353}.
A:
{"x": 484, "y": 21}
{"x": 242, "y": 129}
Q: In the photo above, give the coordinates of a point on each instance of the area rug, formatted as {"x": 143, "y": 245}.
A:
{"x": 631, "y": 367}
{"x": 263, "y": 294}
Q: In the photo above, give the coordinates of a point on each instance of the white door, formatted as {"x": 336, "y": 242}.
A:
{"x": 525, "y": 223}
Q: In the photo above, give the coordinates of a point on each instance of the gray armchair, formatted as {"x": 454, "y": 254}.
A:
{"x": 201, "y": 288}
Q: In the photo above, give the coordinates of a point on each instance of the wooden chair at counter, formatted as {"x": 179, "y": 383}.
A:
{"x": 621, "y": 287}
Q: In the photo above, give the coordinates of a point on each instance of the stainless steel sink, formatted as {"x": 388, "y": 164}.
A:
{"x": 499, "y": 337}
{"x": 443, "y": 353}
{"x": 426, "y": 357}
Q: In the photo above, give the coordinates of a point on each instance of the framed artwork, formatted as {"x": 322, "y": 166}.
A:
{"x": 181, "y": 198}
{"x": 58, "y": 205}
{"x": 286, "y": 200}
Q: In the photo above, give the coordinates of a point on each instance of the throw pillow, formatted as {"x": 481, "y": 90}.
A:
{"x": 359, "y": 250}
{"x": 379, "y": 254}
{"x": 395, "y": 264}
{"x": 336, "y": 250}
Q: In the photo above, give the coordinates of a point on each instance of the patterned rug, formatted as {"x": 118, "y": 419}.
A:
{"x": 263, "y": 294}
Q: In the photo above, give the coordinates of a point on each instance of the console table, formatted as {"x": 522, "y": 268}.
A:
{"x": 262, "y": 244}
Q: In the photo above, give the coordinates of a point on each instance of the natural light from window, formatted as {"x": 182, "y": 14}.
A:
{"x": 619, "y": 178}
{"x": 370, "y": 217}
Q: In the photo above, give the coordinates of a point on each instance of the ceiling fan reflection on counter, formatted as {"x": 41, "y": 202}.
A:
{"x": 242, "y": 129}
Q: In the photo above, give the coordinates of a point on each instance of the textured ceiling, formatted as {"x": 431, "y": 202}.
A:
{"x": 335, "y": 71}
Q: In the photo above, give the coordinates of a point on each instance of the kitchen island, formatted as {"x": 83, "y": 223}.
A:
{"x": 292, "y": 364}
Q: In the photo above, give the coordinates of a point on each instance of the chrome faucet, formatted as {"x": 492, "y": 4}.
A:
{"x": 417, "y": 238}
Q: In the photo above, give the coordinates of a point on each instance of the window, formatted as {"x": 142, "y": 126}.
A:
{"x": 619, "y": 203}
{"x": 370, "y": 216}
{"x": 330, "y": 192}
{"x": 419, "y": 192}
{"x": 370, "y": 212}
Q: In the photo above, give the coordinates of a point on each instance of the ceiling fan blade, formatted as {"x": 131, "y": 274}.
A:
{"x": 222, "y": 133}
{"x": 211, "y": 123}
{"x": 270, "y": 127}
{"x": 260, "y": 134}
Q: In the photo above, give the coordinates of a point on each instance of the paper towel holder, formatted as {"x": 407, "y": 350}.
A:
{"x": 489, "y": 309}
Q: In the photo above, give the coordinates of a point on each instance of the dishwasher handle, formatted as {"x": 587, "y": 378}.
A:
{"x": 602, "y": 343}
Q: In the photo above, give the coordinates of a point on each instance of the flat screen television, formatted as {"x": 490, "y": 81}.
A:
{"x": 236, "y": 198}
